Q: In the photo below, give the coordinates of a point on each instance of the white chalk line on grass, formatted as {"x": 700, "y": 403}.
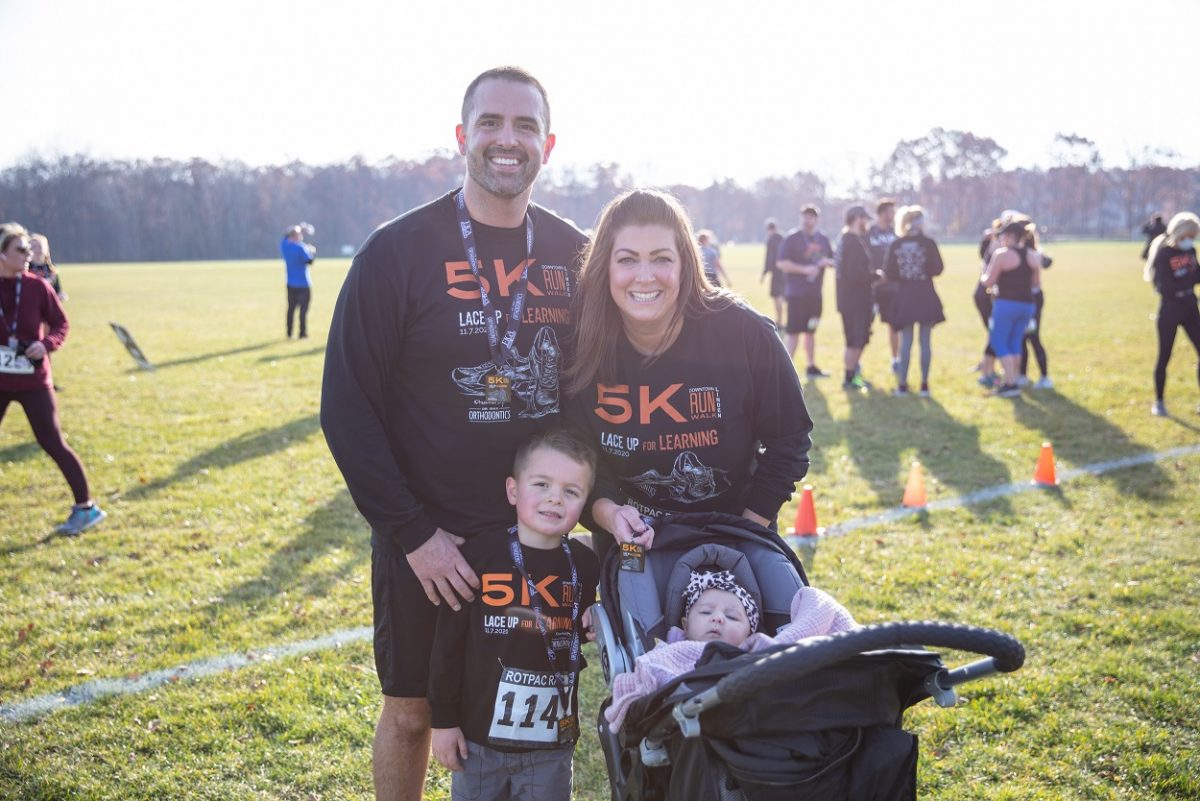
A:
{"x": 94, "y": 690}
{"x": 87, "y": 692}
{"x": 1006, "y": 490}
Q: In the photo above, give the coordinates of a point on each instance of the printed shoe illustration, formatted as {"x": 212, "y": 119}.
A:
{"x": 690, "y": 481}
{"x": 533, "y": 378}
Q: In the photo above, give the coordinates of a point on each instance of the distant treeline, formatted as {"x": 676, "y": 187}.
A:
{"x": 166, "y": 210}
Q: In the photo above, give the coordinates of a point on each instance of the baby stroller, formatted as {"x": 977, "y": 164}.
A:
{"x": 820, "y": 719}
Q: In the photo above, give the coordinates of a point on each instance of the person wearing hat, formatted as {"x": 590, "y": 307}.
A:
{"x": 1173, "y": 269}
{"x": 297, "y": 256}
{"x": 854, "y": 299}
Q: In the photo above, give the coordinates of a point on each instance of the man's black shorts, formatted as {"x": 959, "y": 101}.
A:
{"x": 804, "y": 312}
{"x": 405, "y": 621}
{"x": 856, "y": 324}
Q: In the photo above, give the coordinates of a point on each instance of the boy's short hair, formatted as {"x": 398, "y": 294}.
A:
{"x": 567, "y": 441}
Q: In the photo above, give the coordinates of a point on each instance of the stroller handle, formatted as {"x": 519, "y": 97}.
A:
{"x": 815, "y": 653}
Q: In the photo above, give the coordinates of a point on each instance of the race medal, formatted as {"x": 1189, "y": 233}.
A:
{"x": 498, "y": 389}
{"x": 13, "y": 364}
{"x": 633, "y": 557}
{"x": 568, "y": 730}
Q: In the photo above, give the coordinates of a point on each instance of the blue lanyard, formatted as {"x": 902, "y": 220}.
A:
{"x": 12, "y": 326}
{"x": 501, "y": 348}
{"x": 535, "y": 602}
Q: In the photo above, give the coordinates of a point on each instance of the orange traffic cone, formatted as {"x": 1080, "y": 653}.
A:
{"x": 806, "y": 514}
{"x": 1043, "y": 474}
{"x": 914, "y": 490}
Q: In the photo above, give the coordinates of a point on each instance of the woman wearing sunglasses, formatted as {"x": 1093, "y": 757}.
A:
{"x": 32, "y": 323}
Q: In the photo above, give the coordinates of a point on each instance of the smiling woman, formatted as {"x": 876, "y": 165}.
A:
{"x": 687, "y": 391}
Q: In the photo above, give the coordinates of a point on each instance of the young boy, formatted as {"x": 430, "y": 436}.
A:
{"x": 505, "y": 668}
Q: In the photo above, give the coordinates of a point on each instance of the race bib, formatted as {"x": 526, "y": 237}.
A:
{"x": 527, "y": 712}
{"x": 13, "y": 364}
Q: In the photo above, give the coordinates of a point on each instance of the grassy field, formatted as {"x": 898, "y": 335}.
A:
{"x": 230, "y": 529}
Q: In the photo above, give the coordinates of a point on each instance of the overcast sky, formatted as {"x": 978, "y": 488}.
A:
{"x": 673, "y": 91}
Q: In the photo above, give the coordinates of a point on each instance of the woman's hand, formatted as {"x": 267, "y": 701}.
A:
{"x": 623, "y": 522}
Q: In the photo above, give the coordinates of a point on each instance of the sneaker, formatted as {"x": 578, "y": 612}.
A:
{"x": 990, "y": 381}
{"x": 924, "y": 393}
{"x": 815, "y": 372}
{"x": 1008, "y": 391}
{"x": 1044, "y": 383}
{"x": 1159, "y": 409}
{"x": 857, "y": 384}
{"x": 81, "y": 520}
{"x": 1022, "y": 381}
{"x": 900, "y": 391}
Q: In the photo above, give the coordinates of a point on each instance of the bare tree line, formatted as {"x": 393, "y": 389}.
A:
{"x": 164, "y": 209}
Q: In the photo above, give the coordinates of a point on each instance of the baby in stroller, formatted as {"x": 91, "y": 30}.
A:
{"x": 717, "y": 608}
{"x": 707, "y": 712}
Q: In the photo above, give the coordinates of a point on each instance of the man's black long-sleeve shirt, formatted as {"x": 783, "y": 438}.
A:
{"x": 409, "y": 403}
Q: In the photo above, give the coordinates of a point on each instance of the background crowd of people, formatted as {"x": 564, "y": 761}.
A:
{"x": 885, "y": 266}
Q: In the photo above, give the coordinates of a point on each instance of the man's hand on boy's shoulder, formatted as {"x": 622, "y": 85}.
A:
{"x": 442, "y": 570}
{"x": 450, "y": 747}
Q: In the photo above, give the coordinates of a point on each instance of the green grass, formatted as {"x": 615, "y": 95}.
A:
{"x": 230, "y": 529}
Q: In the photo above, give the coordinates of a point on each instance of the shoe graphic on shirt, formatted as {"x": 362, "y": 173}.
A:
{"x": 532, "y": 378}
{"x": 689, "y": 481}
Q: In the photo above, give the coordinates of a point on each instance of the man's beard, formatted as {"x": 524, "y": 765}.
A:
{"x": 503, "y": 186}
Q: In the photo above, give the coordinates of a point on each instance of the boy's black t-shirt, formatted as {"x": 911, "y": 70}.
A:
{"x": 489, "y": 672}
{"x": 409, "y": 404}
{"x": 717, "y": 423}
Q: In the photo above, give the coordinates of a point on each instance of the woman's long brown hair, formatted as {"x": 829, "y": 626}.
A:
{"x": 597, "y": 319}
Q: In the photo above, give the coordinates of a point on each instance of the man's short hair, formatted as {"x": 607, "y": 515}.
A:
{"x": 885, "y": 203}
{"x": 567, "y": 441}
{"x": 771, "y": 224}
{"x": 513, "y": 74}
{"x": 810, "y": 208}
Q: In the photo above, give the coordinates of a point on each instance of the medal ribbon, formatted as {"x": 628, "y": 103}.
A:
{"x": 501, "y": 348}
{"x": 535, "y": 601}
{"x": 12, "y": 326}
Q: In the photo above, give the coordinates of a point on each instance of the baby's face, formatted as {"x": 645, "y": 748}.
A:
{"x": 717, "y": 615}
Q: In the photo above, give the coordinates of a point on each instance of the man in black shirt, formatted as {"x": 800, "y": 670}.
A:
{"x": 854, "y": 279}
{"x": 444, "y": 352}
{"x": 880, "y": 237}
{"x": 803, "y": 257}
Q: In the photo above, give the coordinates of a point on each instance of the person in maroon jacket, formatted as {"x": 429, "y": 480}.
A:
{"x": 32, "y": 323}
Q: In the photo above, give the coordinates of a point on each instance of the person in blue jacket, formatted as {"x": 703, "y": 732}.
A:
{"x": 297, "y": 255}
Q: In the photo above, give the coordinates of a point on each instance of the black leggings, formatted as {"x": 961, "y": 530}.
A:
{"x": 298, "y": 298}
{"x": 41, "y": 407}
{"x": 983, "y": 302}
{"x": 1173, "y": 313}
{"x": 1034, "y": 338}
